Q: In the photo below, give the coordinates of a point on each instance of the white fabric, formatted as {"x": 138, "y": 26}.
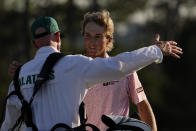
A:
{"x": 59, "y": 99}
{"x": 129, "y": 122}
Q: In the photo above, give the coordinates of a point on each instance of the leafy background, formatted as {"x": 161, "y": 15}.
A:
{"x": 169, "y": 86}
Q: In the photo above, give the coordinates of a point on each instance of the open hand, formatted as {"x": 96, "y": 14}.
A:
{"x": 168, "y": 48}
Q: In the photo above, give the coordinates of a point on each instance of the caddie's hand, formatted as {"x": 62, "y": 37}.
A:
{"x": 168, "y": 48}
{"x": 12, "y": 68}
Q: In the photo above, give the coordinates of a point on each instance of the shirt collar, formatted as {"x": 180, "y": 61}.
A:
{"x": 45, "y": 51}
{"x": 107, "y": 55}
{"x": 104, "y": 57}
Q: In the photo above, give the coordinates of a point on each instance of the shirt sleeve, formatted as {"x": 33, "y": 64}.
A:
{"x": 13, "y": 107}
{"x": 136, "y": 91}
{"x": 112, "y": 68}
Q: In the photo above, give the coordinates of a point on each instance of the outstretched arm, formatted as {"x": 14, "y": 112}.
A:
{"x": 126, "y": 63}
{"x": 146, "y": 114}
{"x": 105, "y": 69}
{"x": 168, "y": 48}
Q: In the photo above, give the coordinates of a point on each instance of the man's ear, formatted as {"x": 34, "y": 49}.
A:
{"x": 34, "y": 43}
{"x": 58, "y": 37}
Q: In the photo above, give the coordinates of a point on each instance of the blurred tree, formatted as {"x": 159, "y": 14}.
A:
{"x": 26, "y": 30}
{"x": 95, "y": 6}
{"x": 169, "y": 86}
{"x": 175, "y": 105}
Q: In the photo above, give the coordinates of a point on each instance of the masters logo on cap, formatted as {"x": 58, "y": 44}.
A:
{"x": 49, "y": 25}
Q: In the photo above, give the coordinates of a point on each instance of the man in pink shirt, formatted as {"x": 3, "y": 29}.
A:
{"x": 111, "y": 98}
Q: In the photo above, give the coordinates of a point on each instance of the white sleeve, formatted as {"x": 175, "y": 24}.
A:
{"x": 12, "y": 111}
{"x": 113, "y": 68}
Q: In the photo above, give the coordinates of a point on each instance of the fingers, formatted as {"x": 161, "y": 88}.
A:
{"x": 176, "y": 51}
{"x": 12, "y": 68}
{"x": 16, "y": 63}
{"x": 177, "y": 48}
{"x": 168, "y": 47}
{"x": 172, "y": 42}
{"x": 175, "y": 55}
{"x": 157, "y": 37}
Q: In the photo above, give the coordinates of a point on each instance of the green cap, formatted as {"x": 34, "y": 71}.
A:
{"x": 46, "y": 22}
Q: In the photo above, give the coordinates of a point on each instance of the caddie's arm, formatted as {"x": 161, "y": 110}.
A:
{"x": 12, "y": 111}
{"x": 112, "y": 68}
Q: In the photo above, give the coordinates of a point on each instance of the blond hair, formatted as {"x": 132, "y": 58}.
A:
{"x": 103, "y": 19}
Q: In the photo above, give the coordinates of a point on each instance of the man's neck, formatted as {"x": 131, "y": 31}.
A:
{"x": 105, "y": 55}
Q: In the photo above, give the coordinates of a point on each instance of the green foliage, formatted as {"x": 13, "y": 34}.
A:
{"x": 169, "y": 86}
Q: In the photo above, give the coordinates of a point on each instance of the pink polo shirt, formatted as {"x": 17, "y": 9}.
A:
{"x": 112, "y": 98}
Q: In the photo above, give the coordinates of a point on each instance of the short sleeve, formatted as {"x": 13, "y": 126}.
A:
{"x": 136, "y": 91}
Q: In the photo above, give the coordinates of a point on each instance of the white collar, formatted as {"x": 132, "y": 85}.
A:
{"x": 107, "y": 55}
{"x": 45, "y": 51}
